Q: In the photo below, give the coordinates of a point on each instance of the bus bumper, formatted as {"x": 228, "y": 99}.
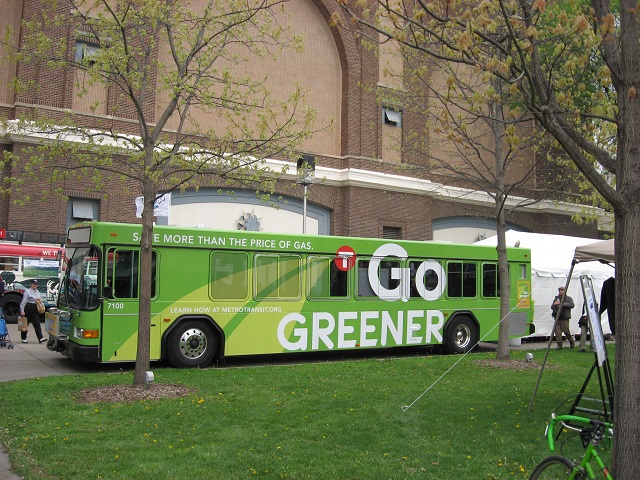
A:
{"x": 79, "y": 353}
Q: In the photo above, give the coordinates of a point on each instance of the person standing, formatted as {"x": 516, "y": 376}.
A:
{"x": 583, "y": 323}
{"x": 608, "y": 302}
{"x": 562, "y": 317}
{"x": 29, "y": 309}
{"x": 1, "y": 294}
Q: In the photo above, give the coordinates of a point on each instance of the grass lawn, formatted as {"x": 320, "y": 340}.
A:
{"x": 328, "y": 420}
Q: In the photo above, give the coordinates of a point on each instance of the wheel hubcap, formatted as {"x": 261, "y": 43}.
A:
{"x": 193, "y": 343}
{"x": 462, "y": 336}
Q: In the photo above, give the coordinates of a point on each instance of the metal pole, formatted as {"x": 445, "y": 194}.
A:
{"x": 304, "y": 211}
{"x": 546, "y": 354}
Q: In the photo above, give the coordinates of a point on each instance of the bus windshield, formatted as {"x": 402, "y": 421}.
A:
{"x": 80, "y": 285}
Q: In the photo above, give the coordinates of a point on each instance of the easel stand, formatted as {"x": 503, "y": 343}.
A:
{"x": 601, "y": 407}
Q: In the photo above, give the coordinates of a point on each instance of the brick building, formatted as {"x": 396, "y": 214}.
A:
{"x": 365, "y": 185}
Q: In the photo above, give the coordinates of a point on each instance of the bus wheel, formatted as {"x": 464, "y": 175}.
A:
{"x": 11, "y": 307}
{"x": 461, "y": 335}
{"x": 191, "y": 344}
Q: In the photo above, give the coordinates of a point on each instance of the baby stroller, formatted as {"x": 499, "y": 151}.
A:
{"x": 5, "y": 339}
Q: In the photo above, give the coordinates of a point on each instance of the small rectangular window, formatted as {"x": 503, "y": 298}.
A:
{"x": 9, "y": 264}
{"x": 364, "y": 288}
{"x": 277, "y": 276}
{"x": 391, "y": 233}
{"x": 386, "y": 274}
{"x": 391, "y": 117}
{"x": 289, "y": 271}
{"x": 424, "y": 278}
{"x": 84, "y": 52}
{"x": 82, "y": 209}
{"x": 229, "y": 276}
{"x": 326, "y": 280}
{"x": 490, "y": 280}
{"x": 461, "y": 279}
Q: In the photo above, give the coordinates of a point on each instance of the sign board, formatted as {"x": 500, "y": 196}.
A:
{"x": 345, "y": 258}
{"x": 160, "y": 207}
{"x": 40, "y": 268}
{"x": 524, "y": 293}
{"x": 51, "y": 323}
{"x": 594, "y": 319}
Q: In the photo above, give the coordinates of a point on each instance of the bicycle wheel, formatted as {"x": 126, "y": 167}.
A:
{"x": 554, "y": 467}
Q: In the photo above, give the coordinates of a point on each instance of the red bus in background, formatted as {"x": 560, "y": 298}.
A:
{"x": 19, "y": 264}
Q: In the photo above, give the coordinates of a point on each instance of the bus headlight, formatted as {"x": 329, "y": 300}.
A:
{"x": 83, "y": 333}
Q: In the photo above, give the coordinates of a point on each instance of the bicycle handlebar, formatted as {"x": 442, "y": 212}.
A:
{"x": 571, "y": 418}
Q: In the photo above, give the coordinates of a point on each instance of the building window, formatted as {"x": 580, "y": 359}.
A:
{"x": 391, "y": 233}
{"x": 84, "y": 52}
{"x": 82, "y": 209}
{"x": 391, "y": 117}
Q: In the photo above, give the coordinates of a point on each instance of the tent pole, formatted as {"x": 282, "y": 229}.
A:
{"x": 546, "y": 354}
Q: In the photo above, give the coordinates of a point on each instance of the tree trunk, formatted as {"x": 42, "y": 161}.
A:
{"x": 499, "y": 132}
{"x": 143, "y": 362}
{"x": 627, "y": 366}
{"x": 503, "y": 352}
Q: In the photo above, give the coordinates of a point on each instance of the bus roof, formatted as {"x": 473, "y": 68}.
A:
{"x": 192, "y": 237}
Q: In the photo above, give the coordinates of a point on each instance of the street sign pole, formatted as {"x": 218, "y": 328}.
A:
{"x": 306, "y": 169}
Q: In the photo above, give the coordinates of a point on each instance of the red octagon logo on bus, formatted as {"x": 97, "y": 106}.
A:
{"x": 345, "y": 258}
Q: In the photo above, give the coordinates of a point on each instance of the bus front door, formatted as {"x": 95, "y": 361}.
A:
{"x": 120, "y": 314}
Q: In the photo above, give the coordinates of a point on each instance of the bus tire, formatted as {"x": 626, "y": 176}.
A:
{"x": 11, "y": 307}
{"x": 461, "y": 335}
{"x": 192, "y": 344}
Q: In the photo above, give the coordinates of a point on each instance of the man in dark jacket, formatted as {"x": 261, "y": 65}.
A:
{"x": 608, "y": 302}
{"x": 562, "y": 317}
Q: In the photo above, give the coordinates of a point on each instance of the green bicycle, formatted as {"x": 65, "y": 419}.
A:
{"x": 592, "y": 432}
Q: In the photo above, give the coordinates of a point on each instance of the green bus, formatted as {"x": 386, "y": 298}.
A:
{"x": 222, "y": 293}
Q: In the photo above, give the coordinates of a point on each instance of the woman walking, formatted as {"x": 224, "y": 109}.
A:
{"x": 29, "y": 309}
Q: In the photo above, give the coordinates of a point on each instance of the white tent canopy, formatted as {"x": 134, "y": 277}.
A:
{"x": 551, "y": 259}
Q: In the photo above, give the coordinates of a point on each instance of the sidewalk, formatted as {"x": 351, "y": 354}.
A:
{"x": 28, "y": 360}
{"x": 31, "y": 360}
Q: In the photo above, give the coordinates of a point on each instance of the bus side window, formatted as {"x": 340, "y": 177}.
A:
{"x": 364, "y": 287}
{"x": 490, "y": 280}
{"x": 325, "y": 278}
{"x": 277, "y": 276}
{"x": 461, "y": 279}
{"x": 430, "y": 280}
{"x": 229, "y": 275}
